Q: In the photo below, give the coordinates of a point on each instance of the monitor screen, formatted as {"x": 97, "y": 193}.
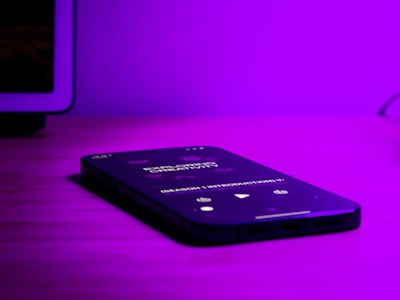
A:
{"x": 36, "y": 56}
{"x": 26, "y": 46}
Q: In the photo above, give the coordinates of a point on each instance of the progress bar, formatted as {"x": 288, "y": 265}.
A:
{"x": 283, "y": 215}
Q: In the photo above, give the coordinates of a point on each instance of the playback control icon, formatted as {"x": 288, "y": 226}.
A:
{"x": 203, "y": 200}
{"x": 242, "y": 196}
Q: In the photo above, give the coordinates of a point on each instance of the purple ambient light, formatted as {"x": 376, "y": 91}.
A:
{"x": 238, "y": 57}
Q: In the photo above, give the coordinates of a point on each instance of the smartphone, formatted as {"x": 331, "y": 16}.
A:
{"x": 218, "y": 197}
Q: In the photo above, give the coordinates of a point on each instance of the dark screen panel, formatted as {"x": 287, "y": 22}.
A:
{"x": 26, "y": 45}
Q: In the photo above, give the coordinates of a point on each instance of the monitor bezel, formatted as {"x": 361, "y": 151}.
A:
{"x": 62, "y": 97}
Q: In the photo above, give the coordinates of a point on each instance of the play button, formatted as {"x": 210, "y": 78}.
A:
{"x": 242, "y": 196}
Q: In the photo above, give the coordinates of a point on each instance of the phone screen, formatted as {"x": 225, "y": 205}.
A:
{"x": 209, "y": 184}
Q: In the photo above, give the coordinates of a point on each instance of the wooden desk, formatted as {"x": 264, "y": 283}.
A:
{"x": 60, "y": 241}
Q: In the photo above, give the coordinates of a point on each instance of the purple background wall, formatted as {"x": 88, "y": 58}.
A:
{"x": 248, "y": 57}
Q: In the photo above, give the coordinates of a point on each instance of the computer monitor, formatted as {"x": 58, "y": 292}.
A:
{"x": 36, "y": 62}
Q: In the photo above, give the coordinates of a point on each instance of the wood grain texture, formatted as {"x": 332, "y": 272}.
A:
{"x": 60, "y": 241}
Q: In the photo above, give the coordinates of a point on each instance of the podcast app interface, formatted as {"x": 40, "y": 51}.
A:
{"x": 207, "y": 181}
{"x": 200, "y": 171}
